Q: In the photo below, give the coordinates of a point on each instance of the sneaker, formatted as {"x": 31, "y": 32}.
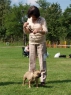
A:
{"x": 42, "y": 83}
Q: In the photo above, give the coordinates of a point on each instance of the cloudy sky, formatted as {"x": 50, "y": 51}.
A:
{"x": 63, "y": 3}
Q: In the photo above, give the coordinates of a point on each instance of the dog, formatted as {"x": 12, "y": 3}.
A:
{"x": 32, "y": 76}
{"x": 62, "y": 56}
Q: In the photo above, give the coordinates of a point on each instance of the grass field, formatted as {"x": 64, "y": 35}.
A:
{"x": 13, "y": 65}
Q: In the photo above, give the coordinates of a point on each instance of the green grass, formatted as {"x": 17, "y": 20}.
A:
{"x": 13, "y": 65}
{"x": 17, "y": 43}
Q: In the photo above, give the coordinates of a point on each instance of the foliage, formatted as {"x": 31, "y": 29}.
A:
{"x": 13, "y": 17}
{"x": 67, "y": 23}
{"x": 4, "y": 8}
{"x": 43, "y": 4}
{"x": 53, "y": 21}
{"x": 13, "y": 22}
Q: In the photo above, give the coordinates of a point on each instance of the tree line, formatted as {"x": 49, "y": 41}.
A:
{"x": 12, "y": 18}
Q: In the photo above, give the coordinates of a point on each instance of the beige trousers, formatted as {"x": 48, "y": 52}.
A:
{"x": 40, "y": 50}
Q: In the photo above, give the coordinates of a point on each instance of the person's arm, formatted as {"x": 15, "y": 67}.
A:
{"x": 43, "y": 30}
{"x": 44, "y": 27}
{"x": 25, "y": 28}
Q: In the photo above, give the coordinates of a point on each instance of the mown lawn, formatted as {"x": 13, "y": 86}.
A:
{"x": 13, "y": 65}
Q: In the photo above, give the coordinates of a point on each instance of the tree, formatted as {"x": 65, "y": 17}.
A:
{"x": 14, "y": 23}
{"x": 67, "y": 22}
{"x": 4, "y": 8}
{"x": 54, "y": 13}
{"x": 43, "y": 4}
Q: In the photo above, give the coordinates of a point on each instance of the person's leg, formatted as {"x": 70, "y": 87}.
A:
{"x": 32, "y": 57}
{"x": 27, "y": 53}
{"x": 42, "y": 61}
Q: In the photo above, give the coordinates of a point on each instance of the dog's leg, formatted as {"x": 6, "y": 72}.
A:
{"x": 24, "y": 79}
{"x": 36, "y": 83}
{"x": 29, "y": 84}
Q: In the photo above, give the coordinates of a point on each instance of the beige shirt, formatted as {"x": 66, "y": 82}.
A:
{"x": 38, "y": 37}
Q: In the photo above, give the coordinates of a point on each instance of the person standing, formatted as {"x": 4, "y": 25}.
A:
{"x": 37, "y": 29}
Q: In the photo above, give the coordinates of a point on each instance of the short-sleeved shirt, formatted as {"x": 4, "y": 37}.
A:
{"x": 38, "y": 37}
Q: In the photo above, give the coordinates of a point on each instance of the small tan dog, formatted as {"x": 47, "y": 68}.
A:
{"x": 32, "y": 76}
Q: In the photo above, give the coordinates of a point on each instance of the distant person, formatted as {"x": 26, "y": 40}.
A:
{"x": 26, "y": 50}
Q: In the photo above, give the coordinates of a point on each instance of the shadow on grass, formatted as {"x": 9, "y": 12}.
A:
{"x": 56, "y": 81}
{"x": 59, "y": 81}
{"x": 9, "y": 83}
{"x": 45, "y": 86}
{"x": 13, "y": 83}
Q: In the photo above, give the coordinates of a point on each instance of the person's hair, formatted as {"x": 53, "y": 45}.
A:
{"x": 33, "y": 10}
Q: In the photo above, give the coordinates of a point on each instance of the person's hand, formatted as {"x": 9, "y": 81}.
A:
{"x": 35, "y": 31}
{"x": 25, "y": 24}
